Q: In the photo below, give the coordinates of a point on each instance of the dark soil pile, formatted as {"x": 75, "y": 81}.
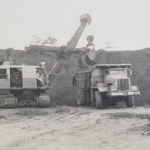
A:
{"x": 61, "y": 90}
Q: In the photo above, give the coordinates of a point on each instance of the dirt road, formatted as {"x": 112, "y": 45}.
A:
{"x": 75, "y": 128}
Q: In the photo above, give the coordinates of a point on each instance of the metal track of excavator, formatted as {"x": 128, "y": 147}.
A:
{"x": 8, "y": 101}
{"x": 43, "y": 101}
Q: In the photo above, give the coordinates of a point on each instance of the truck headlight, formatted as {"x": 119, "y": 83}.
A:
{"x": 113, "y": 89}
{"x": 134, "y": 88}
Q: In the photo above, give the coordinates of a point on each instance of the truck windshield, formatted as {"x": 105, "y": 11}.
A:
{"x": 118, "y": 71}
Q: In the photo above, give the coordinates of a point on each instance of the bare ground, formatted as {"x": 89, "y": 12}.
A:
{"x": 75, "y": 128}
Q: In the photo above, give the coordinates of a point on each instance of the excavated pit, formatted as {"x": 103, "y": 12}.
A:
{"x": 61, "y": 90}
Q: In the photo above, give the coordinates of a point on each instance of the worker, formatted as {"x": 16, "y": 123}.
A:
{"x": 89, "y": 57}
{"x": 40, "y": 79}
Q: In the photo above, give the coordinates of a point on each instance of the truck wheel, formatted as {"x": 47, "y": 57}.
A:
{"x": 81, "y": 98}
{"x": 114, "y": 104}
{"x": 88, "y": 98}
{"x": 130, "y": 101}
{"x": 98, "y": 99}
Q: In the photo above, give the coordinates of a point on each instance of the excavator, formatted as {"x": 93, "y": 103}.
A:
{"x": 24, "y": 85}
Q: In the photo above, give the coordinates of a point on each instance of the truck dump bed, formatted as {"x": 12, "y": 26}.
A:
{"x": 112, "y": 66}
{"x": 83, "y": 80}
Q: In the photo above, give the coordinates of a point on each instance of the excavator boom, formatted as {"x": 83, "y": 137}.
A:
{"x": 51, "y": 49}
{"x": 65, "y": 52}
{"x": 84, "y": 20}
{"x": 71, "y": 46}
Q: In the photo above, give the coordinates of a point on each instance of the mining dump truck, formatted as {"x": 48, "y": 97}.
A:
{"x": 23, "y": 85}
{"x": 105, "y": 85}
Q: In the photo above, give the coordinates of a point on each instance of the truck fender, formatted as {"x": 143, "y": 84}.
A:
{"x": 102, "y": 87}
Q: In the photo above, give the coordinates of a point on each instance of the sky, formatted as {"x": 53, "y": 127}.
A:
{"x": 116, "y": 24}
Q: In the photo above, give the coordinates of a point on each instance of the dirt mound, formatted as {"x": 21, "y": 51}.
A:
{"x": 62, "y": 92}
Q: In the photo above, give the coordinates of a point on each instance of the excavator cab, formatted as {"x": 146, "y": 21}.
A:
{"x": 20, "y": 86}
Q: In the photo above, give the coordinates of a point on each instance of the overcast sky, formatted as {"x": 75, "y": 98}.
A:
{"x": 116, "y": 24}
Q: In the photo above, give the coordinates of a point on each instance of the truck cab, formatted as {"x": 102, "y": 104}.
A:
{"x": 105, "y": 85}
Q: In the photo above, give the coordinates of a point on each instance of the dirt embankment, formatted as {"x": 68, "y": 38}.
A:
{"x": 62, "y": 91}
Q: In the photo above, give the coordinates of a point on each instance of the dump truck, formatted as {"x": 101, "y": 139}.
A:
{"x": 23, "y": 85}
{"x": 105, "y": 85}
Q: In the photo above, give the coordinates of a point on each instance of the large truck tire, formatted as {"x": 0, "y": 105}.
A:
{"x": 98, "y": 99}
{"x": 110, "y": 104}
{"x": 43, "y": 101}
{"x": 81, "y": 98}
{"x": 88, "y": 98}
{"x": 114, "y": 104}
{"x": 130, "y": 101}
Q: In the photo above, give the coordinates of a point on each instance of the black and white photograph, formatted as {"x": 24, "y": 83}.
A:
{"x": 74, "y": 74}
